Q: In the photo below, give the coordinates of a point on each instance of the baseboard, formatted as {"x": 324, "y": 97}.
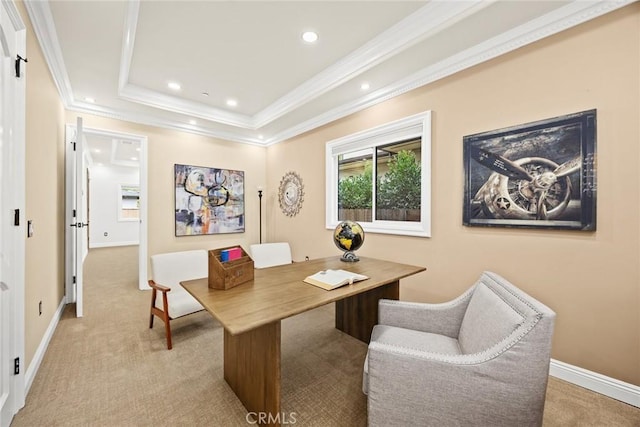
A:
{"x": 113, "y": 244}
{"x": 30, "y": 374}
{"x": 616, "y": 389}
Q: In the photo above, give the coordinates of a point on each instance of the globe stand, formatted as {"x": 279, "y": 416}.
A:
{"x": 349, "y": 256}
{"x": 348, "y": 236}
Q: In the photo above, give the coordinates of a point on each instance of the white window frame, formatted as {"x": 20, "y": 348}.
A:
{"x": 120, "y": 204}
{"x": 418, "y": 125}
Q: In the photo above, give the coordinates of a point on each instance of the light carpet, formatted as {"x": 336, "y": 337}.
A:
{"x": 109, "y": 369}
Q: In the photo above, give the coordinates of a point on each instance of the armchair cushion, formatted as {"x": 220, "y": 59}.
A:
{"x": 409, "y": 339}
{"x": 415, "y": 340}
{"x": 488, "y": 320}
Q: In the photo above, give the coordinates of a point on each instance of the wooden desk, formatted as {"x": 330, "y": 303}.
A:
{"x": 251, "y": 313}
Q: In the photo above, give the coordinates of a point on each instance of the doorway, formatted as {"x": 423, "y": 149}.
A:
{"x": 114, "y": 165}
{"x": 113, "y": 210}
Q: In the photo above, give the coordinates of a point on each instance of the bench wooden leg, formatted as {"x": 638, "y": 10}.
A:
{"x": 167, "y": 328}
{"x": 162, "y": 314}
{"x": 153, "y": 305}
{"x": 165, "y": 317}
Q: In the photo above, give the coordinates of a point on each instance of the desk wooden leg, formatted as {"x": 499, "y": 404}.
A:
{"x": 252, "y": 369}
{"x": 357, "y": 315}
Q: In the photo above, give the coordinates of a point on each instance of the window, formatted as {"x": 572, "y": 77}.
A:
{"x": 128, "y": 202}
{"x": 381, "y": 178}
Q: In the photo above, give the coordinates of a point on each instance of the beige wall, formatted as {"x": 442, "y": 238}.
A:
{"x": 44, "y": 275}
{"x": 166, "y": 148}
{"x": 591, "y": 279}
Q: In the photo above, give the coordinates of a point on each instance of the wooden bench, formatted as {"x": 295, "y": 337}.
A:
{"x": 169, "y": 300}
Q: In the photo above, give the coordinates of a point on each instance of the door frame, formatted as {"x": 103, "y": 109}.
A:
{"x": 75, "y": 195}
{"x": 13, "y": 197}
{"x": 142, "y": 248}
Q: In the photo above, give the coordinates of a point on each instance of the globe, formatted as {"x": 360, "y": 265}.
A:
{"x": 348, "y": 237}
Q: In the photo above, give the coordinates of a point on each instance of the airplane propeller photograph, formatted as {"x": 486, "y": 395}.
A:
{"x": 540, "y": 174}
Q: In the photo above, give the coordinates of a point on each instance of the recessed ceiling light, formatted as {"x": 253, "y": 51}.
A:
{"x": 260, "y": 136}
{"x": 365, "y": 86}
{"x": 89, "y": 99}
{"x": 138, "y": 149}
{"x": 192, "y": 122}
{"x": 134, "y": 158}
{"x": 310, "y": 36}
{"x": 173, "y": 86}
{"x": 232, "y": 102}
{"x": 97, "y": 150}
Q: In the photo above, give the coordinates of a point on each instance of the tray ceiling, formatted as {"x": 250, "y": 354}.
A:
{"x": 116, "y": 58}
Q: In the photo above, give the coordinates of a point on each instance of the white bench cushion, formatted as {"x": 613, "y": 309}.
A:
{"x": 169, "y": 269}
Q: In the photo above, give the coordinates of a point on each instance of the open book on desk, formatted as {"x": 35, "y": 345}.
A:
{"x": 332, "y": 279}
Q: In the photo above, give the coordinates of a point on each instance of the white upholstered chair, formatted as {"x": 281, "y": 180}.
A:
{"x": 270, "y": 254}
{"x": 479, "y": 360}
{"x": 169, "y": 300}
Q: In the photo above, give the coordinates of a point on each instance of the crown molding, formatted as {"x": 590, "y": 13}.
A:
{"x": 572, "y": 14}
{"x": 45, "y": 29}
{"x": 152, "y": 120}
{"x": 14, "y": 15}
{"x": 561, "y": 19}
{"x": 159, "y": 100}
{"x": 128, "y": 41}
{"x": 425, "y": 22}
{"x": 141, "y": 95}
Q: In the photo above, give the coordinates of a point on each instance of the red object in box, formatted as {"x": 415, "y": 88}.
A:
{"x": 235, "y": 253}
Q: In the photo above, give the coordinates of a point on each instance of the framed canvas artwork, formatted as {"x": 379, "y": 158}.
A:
{"x": 536, "y": 175}
{"x": 208, "y": 200}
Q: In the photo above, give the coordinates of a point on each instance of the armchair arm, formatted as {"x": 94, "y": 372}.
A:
{"x": 443, "y": 319}
{"x": 164, "y": 312}
{"x": 413, "y": 387}
{"x": 158, "y": 287}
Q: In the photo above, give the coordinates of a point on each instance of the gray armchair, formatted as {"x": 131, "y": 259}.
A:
{"x": 481, "y": 359}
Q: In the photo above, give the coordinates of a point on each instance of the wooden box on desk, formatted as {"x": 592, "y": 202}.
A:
{"x": 226, "y": 275}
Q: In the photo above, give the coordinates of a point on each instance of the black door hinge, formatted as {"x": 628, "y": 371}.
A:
{"x": 16, "y": 366}
{"x": 16, "y": 217}
{"x": 74, "y": 279}
{"x": 18, "y": 59}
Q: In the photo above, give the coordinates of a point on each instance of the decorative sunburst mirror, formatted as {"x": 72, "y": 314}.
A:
{"x": 291, "y": 194}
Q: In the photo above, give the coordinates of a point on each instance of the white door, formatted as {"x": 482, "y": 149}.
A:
{"x": 5, "y": 291}
{"x": 12, "y": 174}
{"x": 76, "y": 235}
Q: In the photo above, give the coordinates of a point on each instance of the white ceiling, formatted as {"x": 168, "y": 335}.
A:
{"x": 124, "y": 53}
{"x": 109, "y": 151}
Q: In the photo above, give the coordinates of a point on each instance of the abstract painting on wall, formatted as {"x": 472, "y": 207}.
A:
{"x": 208, "y": 200}
{"x": 540, "y": 174}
